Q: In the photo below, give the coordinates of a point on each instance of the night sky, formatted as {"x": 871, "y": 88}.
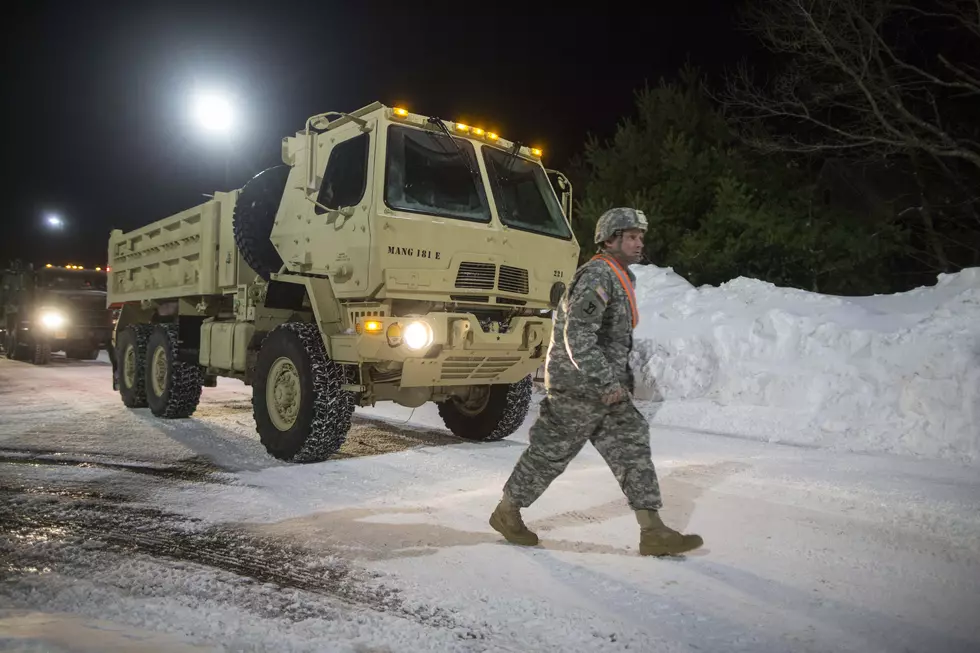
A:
{"x": 97, "y": 94}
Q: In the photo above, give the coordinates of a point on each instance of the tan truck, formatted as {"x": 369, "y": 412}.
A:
{"x": 393, "y": 257}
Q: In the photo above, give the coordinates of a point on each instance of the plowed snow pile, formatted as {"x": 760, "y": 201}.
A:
{"x": 887, "y": 373}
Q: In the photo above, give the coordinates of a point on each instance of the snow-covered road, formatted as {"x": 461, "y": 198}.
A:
{"x": 120, "y": 531}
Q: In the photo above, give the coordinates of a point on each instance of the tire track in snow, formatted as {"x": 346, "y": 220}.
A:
{"x": 193, "y": 469}
{"x": 68, "y": 519}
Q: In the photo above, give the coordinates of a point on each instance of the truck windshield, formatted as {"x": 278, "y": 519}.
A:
{"x": 72, "y": 280}
{"x": 425, "y": 173}
{"x": 524, "y": 196}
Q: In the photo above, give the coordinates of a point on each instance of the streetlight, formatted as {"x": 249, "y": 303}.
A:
{"x": 214, "y": 113}
{"x": 54, "y": 221}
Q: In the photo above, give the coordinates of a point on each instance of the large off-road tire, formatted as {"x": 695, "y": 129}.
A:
{"x": 301, "y": 413}
{"x": 111, "y": 350}
{"x": 13, "y": 347}
{"x": 254, "y": 216}
{"x": 173, "y": 387}
{"x": 10, "y": 345}
{"x": 41, "y": 352}
{"x": 492, "y": 413}
{"x": 131, "y": 355}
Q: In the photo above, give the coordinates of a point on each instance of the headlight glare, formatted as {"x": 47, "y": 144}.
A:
{"x": 52, "y": 319}
{"x": 417, "y": 335}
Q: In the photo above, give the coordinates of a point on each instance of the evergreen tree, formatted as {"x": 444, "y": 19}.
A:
{"x": 719, "y": 210}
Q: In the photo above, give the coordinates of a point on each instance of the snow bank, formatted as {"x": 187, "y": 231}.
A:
{"x": 888, "y": 373}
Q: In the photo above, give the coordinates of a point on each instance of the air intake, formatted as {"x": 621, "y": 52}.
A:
{"x": 513, "y": 280}
{"x": 479, "y": 276}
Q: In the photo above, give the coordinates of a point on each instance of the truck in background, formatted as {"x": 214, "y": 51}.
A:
{"x": 392, "y": 257}
{"x": 54, "y": 308}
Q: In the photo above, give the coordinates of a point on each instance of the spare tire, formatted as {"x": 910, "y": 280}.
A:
{"x": 254, "y": 216}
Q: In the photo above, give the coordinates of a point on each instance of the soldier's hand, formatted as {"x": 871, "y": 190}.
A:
{"x": 613, "y": 396}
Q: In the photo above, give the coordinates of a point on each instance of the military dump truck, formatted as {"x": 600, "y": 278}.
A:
{"x": 392, "y": 257}
{"x": 55, "y": 308}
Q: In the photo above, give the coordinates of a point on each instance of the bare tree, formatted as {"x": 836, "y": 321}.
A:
{"x": 857, "y": 76}
{"x": 870, "y": 79}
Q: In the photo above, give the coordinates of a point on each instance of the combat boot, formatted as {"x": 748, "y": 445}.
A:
{"x": 656, "y": 539}
{"x": 506, "y": 520}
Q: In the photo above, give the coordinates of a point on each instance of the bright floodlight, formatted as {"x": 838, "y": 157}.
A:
{"x": 54, "y": 221}
{"x": 213, "y": 112}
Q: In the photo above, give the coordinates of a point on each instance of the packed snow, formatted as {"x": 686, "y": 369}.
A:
{"x": 824, "y": 447}
{"x": 890, "y": 373}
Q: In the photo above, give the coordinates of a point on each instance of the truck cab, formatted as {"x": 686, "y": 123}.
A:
{"x": 55, "y": 308}
{"x": 443, "y": 221}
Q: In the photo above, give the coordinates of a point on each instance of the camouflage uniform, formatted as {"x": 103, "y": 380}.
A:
{"x": 588, "y": 356}
{"x": 588, "y": 362}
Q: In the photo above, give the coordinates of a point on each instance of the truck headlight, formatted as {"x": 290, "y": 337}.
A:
{"x": 417, "y": 335}
{"x": 52, "y": 319}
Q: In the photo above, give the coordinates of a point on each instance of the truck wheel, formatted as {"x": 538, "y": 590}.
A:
{"x": 492, "y": 412}
{"x": 254, "y": 216}
{"x": 42, "y": 353}
{"x": 131, "y": 354}
{"x": 15, "y": 349}
{"x": 10, "y": 346}
{"x": 301, "y": 412}
{"x": 173, "y": 387}
{"x": 111, "y": 350}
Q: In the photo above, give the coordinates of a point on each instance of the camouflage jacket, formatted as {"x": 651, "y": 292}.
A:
{"x": 592, "y": 334}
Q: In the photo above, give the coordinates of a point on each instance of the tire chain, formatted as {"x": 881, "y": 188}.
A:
{"x": 518, "y": 402}
{"x": 332, "y": 407}
{"x": 42, "y": 353}
{"x": 187, "y": 381}
{"x": 142, "y": 333}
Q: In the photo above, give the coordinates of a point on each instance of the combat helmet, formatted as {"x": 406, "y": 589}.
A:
{"x": 617, "y": 220}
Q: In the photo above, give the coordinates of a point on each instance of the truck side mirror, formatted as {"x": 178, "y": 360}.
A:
{"x": 316, "y": 125}
{"x": 564, "y": 190}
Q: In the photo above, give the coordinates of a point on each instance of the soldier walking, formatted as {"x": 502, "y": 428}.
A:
{"x": 589, "y": 385}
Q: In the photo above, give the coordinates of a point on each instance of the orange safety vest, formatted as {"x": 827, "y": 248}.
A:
{"x": 625, "y": 282}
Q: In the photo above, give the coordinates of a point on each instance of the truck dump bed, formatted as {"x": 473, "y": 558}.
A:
{"x": 189, "y": 254}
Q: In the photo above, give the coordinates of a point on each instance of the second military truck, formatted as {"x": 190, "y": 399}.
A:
{"x": 392, "y": 257}
{"x": 54, "y": 308}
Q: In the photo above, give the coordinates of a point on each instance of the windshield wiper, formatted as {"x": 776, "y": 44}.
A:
{"x": 459, "y": 150}
{"x": 492, "y": 174}
{"x": 499, "y": 193}
{"x": 513, "y": 156}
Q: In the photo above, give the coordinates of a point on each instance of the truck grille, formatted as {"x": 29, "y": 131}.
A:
{"x": 483, "y": 276}
{"x": 96, "y": 318}
{"x": 513, "y": 279}
{"x": 462, "y": 368}
{"x": 476, "y": 275}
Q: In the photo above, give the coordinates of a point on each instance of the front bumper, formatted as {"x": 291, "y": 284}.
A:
{"x": 461, "y": 352}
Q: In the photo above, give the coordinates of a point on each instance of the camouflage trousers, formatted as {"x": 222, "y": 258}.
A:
{"x": 567, "y": 421}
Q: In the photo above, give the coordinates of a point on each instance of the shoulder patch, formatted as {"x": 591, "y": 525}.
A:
{"x": 589, "y": 305}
